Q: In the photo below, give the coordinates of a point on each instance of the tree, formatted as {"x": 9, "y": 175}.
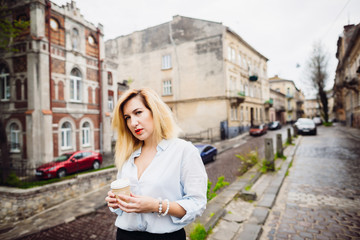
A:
{"x": 9, "y": 28}
{"x": 318, "y": 76}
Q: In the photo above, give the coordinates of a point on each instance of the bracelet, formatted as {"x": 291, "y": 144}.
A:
{"x": 167, "y": 208}
{"x": 160, "y": 207}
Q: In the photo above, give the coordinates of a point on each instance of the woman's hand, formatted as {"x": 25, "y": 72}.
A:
{"x": 111, "y": 200}
{"x": 137, "y": 204}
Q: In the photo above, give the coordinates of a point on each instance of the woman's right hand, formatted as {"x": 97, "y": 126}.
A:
{"x": 111, "y": 200}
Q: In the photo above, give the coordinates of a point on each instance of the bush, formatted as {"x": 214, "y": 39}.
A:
{"x": 198, "y": 232}
{"x": 220, "y": 184}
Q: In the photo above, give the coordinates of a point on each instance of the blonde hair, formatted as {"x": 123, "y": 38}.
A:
{"x": 165, "y": 126}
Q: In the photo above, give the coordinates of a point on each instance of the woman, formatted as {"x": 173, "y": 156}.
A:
{"x": 167, "y": 177}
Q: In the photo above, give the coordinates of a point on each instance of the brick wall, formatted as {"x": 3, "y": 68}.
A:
{"x": 17, "y": 204}
{"x": 57, "y": 66}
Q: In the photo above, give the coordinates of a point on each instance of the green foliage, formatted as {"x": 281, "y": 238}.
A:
{"x": 248, "y": 187}
{"x": 249, "y": 160}
{"x": 327, "y": 124}
{"x": 12, "y": 180}
{"x": 9, "y": 29}
{"x": 266, "y": 166}
{"x": 198, "y": 232}
{"x": 278, "y": 155}
{"x": 211, "y": 193}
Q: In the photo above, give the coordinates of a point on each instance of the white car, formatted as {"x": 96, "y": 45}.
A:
{"x": 317, "y": 120}
{"x": 306, "y": 126}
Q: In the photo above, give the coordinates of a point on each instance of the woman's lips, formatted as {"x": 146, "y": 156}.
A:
{"x": 138, "y": 131}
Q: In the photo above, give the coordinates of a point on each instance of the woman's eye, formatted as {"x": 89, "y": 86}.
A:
{"x": 139, "y": 112}
{"x": 126, "y": 118}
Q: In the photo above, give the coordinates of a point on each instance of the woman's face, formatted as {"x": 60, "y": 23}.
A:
{"x": 138, "y": 119}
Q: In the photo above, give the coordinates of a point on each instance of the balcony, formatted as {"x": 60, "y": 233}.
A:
{"x": 268, "y": 103}
{"x": 237, "y": 97}
{"x": 289, "y": 95}
{"x": 253, "y": 78}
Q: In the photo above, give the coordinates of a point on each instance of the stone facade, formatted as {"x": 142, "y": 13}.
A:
{"x": 347, "y": 79}
{"x": 186, "y": 62}
{"x": 294, "y": 98}
{"x": 45, "y": 109}
{"x": 278, "y": 107}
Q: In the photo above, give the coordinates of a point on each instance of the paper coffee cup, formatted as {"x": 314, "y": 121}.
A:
{"x": 120, "y": 186}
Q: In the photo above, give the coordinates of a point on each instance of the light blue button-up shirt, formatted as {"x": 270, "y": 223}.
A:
{"x": 176, "y": 173}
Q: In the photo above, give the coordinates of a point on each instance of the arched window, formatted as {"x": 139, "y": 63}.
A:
{"x": 14, "y": 138}
{"x": 85, "y": 134}
{"x": 75, "y": 85}
{"x": 66, "y": 135}
{"x": 75, "y": 39}
{"x": 4, "y": 83}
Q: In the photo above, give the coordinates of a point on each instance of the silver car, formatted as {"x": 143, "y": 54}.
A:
{"x": 306, "y": 126}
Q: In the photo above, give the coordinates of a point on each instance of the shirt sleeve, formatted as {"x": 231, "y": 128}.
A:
{"x": 194, "y": 183}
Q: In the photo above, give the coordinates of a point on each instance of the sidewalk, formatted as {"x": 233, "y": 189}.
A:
{"x": 217, "y": 208}
{"x": 230, "y": 217}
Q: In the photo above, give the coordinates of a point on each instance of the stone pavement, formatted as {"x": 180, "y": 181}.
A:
{"x": 223, "y": 208}
{"x": 235, "y": 218}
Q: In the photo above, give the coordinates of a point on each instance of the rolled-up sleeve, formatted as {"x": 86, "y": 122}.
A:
{"x": 194, "y": 183}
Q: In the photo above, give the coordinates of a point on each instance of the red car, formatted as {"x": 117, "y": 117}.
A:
{"x": 258, "y": 129}
{"x": 69, "y": 163}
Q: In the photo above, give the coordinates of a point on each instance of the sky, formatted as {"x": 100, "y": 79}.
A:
{"x": 284, "y": 31}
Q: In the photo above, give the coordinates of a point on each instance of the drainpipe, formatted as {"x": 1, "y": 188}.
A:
{"x": 100, "y": 92}
{"x": 47, "y": 19}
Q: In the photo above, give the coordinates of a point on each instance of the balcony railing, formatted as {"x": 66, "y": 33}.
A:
{"x": 289, "y": 95}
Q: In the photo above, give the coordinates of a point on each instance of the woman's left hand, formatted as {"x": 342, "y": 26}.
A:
{"x": 137, "y": 204}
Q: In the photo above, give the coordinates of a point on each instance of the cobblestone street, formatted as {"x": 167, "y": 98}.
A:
{"x": 320, "y": 199}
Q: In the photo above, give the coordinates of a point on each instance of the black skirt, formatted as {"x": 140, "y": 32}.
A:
{"x": 137, "y": 235}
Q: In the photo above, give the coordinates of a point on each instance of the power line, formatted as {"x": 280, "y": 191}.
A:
{"x": 336, "y": 19}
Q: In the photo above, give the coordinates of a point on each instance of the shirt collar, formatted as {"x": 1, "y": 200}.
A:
{"x": 162, "y": 146}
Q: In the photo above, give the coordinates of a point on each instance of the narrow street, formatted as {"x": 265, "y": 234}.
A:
{"x": 320, "y": 198}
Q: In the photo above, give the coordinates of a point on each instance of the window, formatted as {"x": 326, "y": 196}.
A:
{"x": 66, "y": 135}
{"x": 234, "y": 113}
{"x": 166, "y": 62}
{"x": 86, "y": 134}
{"x": 91, "y": 40}
{"x": 242, "y": 113}
{"x": 239, "y": 59}
{"x": 75, "y": 39}
{"x": 167, "y": 88}
{"x": 75, "y": 85}
{"x": 111, "y": 102}
{"x": 14, "y": 138}
{"x": 233, "y": 56}
{"x": 4, "y": 83}
{"x": 54, "y": 25}
{"x": 110, "y": 78}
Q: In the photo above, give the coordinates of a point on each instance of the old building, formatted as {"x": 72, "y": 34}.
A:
{"x": 214, "y": 82}
{"x": 278, "y": 106}
{"x": 54, "y": 88}
{"x": 294, "y": 98}
{"x": 347, "y": 79}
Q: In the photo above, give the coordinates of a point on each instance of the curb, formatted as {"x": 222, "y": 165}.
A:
{"x": 216, "y": 207}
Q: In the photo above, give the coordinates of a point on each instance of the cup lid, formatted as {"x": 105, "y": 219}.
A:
{"x": 120, "y": 183}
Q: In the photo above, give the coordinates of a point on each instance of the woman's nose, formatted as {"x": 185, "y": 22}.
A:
{"x": 134, "y": 122}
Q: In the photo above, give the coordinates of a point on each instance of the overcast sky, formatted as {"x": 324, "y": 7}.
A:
{"x": 284, "y": 31}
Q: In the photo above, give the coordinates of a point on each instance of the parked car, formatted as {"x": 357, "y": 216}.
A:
{"x": 306, "y": 126}
{"x": 207, "y": 152}
{"x": 69, "y": 163}
{"x": 317, "y": 120}
{"x": 274, "y": 125}
{"x": 257, "y": 130}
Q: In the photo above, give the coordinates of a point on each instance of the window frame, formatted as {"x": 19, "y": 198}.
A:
{"x": 75, "y": 86}
{"x": 14, "y": 138}
{"x": 85, "y": 135}
{"x": 66, "y": 136}
{"x": 167, "y": 88}
{"x": 5, "y": 93}
{"x": 166, "y": 62}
